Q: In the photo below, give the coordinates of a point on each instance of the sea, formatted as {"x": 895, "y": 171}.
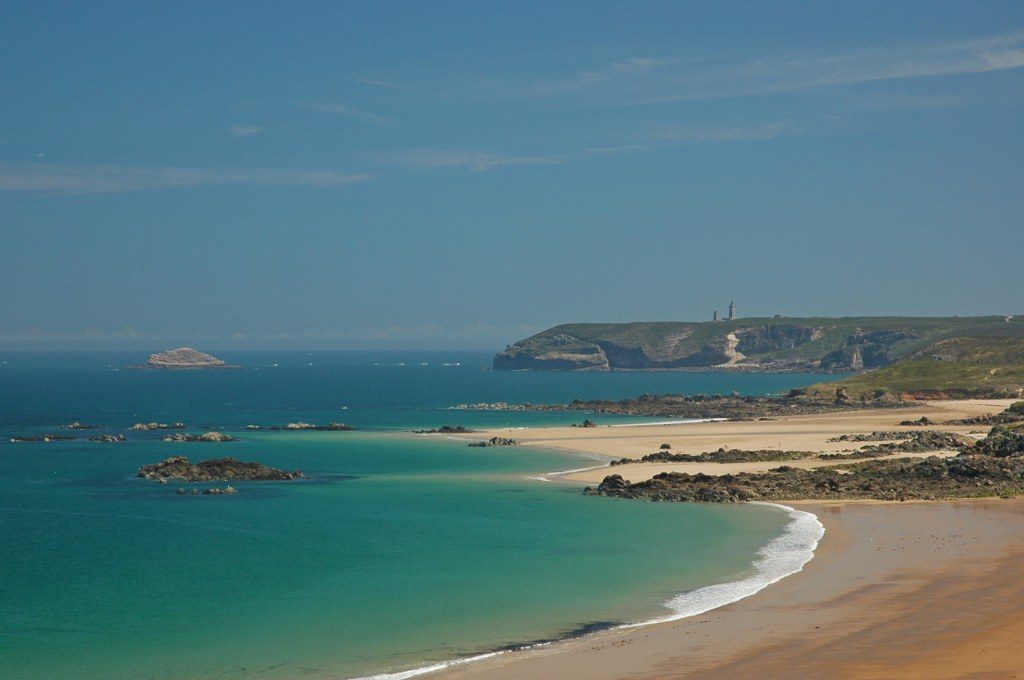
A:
{"x": 396, "y": 555}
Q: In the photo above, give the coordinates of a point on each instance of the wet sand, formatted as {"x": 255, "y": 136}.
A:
{"x": 907, "y": 590}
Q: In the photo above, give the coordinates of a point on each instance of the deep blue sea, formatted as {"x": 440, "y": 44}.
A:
{"x": 399, "y": 550}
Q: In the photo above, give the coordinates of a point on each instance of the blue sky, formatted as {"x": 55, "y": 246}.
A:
{"x": 465, "y": 174}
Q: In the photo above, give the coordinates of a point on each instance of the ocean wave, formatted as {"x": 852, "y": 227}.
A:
{"x": 783, "y": 556}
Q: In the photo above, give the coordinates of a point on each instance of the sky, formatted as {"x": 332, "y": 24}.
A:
{"x": 462, "y": 175}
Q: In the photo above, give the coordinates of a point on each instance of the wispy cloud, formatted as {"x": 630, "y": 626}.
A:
{"x": 648, "y": 81}
{"x": 96, "y": 179}
{"x": 386, "y": 84}
{"x": 345, "y": 110}
{"x": 475, "y": 161}
{"x": 669, "y": 134}
{"x": 245, "y": 130}
{"x": 651, "y": 138}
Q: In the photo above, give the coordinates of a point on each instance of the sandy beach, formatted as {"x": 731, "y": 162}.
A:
{"x": 908, "y": 590}
{"x": 795, "y": 433}
{"x": 912, "y": 590}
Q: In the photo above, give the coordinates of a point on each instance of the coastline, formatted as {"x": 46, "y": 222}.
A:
{"x": 867, "y": 579}
{"x": 895, "y": 590}
{"x": 783, "y": 556}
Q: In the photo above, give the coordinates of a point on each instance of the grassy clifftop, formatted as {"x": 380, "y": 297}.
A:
{"x": 987, "y": 367}
{"x": 777, "y": 343}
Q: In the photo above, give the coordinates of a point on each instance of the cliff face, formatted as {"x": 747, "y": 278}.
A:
{"x": 784, "y": 344}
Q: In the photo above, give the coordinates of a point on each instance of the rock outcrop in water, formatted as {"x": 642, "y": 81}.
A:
{"x": 183, "y": 358}
{"x": 205, "y": 437}
{"x": 496, "y": 441}
{"x": 43, "y": 438}
{"x": 108, "y": 438}
{"x": 300, "y": 425}
{"x": 446, "y": 429}
{"x": 158, "y": 426}
{"x": 215, "y": 469}
{"x": 75, "y": 425}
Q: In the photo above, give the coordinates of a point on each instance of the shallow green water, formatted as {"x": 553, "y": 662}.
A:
{"x": 399, "y": 551}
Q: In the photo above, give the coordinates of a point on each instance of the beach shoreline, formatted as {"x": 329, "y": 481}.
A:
{"x": 874, "y": 576}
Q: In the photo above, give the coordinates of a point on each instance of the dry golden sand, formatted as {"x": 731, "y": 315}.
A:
{"x": 896, "y": 590}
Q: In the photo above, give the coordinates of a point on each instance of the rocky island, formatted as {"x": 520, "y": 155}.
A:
{"x": 183, "y": 358}
{"x": 215, "y": 469}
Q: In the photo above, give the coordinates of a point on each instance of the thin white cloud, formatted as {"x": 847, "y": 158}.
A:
{"x": 386, "y": 84}
{"x": 245, "y": 130}
{"x": 345, "y": 110}
{"x": 475, "y": 161}
{"x": 649, "y": 81}
{"x": 681, "y": 134}
{"x": 96, "y": 179}
{"x": 652, "y": 138}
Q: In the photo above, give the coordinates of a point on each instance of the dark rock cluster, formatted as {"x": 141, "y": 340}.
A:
{"x": 226, "y": 469}
{"x": 497, "y": 441}
{"x": 205, "y": 437}
{"x": 992, "y": 467}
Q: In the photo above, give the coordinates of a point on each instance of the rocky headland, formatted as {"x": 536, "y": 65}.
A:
{"x": 215, "y": 469}
{"x": 834, "y": 344}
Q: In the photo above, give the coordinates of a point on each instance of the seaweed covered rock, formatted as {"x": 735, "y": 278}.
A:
{"x": 497, "y": 441}
{"x": 205, "y": 437}
{"x": 1002, "y": 441}
{"x": 901, "y": 479}
{"x": 223, "y": 469}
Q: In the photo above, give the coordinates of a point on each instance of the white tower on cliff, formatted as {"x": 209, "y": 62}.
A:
{"x": 732, "y": 311}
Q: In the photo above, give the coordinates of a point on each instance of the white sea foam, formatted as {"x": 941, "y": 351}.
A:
{"x": 781, "y": 557}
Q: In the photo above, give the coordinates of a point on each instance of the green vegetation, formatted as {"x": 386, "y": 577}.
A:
{"x": 987, "y": 367}
{"x": 777, "y": 343}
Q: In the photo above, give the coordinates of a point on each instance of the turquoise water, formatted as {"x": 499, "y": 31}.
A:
{"x": 400, "y": 550}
